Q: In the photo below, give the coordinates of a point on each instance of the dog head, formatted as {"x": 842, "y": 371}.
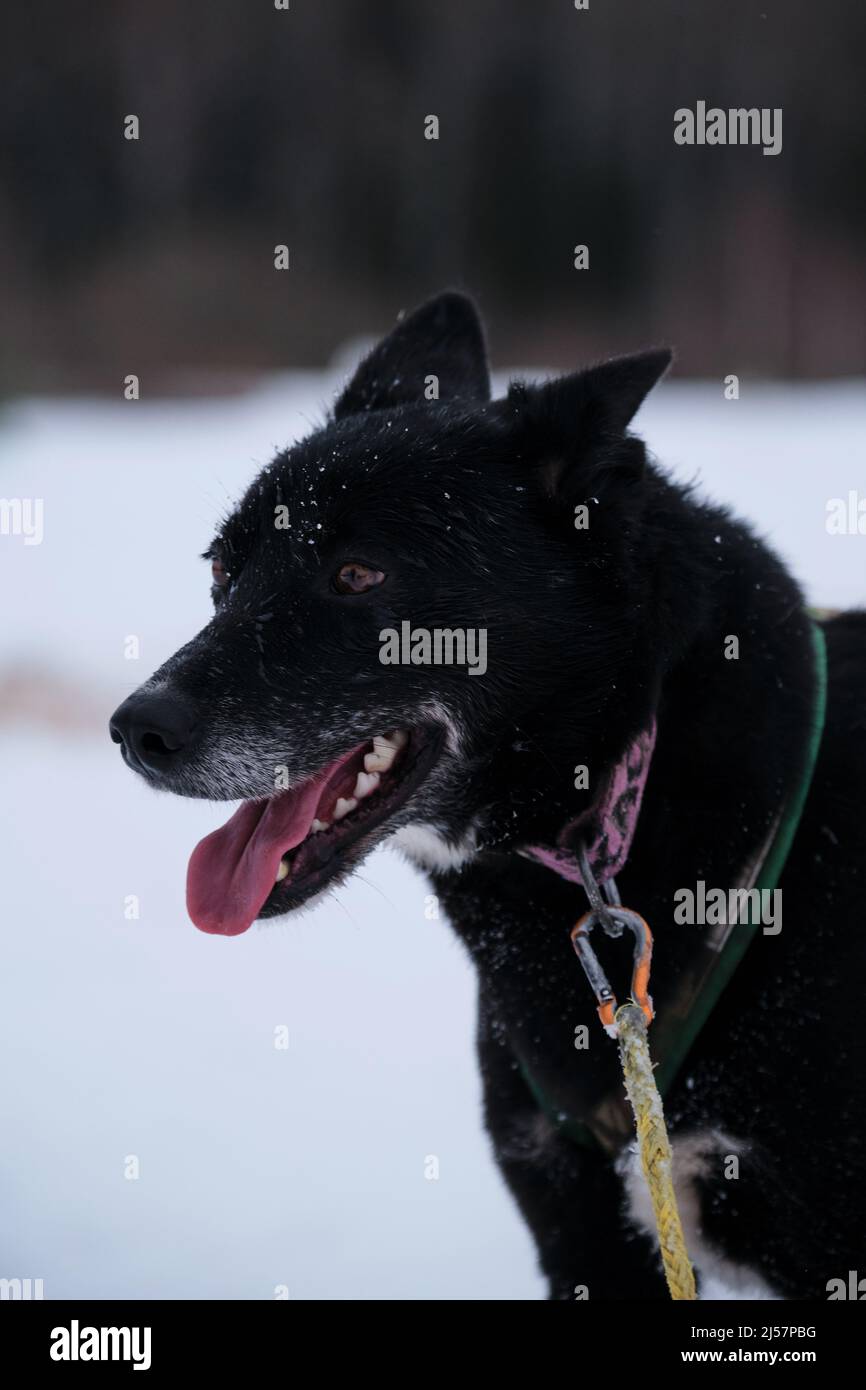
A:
{"x": 403, "y": 600}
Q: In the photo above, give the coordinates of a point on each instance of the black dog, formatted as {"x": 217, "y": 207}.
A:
{"x": 608, "y": 597}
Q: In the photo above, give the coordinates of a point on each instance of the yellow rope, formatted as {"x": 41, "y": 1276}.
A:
{"x": 655, "y": 1149}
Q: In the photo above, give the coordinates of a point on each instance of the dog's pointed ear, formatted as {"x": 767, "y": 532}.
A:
{"x": 436, "y": 353}
{"x": 576, "y": 425}
{"x": 617, "y": 388}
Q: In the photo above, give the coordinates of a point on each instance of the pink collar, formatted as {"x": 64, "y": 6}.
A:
{"x": 608, "y": 827}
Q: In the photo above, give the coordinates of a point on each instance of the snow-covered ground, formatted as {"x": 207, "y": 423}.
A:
{"x": 259, "y": 1166}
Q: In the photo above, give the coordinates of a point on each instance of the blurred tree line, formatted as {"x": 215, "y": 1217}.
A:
{"x": 306, "y": 126}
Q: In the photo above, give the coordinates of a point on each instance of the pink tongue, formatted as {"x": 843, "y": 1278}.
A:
{"x": 232, "y": 870}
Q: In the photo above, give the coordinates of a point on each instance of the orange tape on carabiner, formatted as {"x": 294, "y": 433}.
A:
{"x": 640, "y": 976}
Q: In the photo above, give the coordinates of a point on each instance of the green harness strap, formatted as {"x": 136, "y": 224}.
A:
{"x": 678, "y": 1042}
{"x": 768, "y": 877}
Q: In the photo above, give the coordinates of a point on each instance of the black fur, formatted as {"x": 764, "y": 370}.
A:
{"x": 468, "y": 506}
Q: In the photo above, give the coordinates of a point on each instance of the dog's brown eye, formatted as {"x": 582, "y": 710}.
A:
{"x": 356, "y": 579}
{"x": 220, "y": 573}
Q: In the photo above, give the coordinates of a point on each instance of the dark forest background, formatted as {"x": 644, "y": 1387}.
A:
{"x": 306, "y": 127}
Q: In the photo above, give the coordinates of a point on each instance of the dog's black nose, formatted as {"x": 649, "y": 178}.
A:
{"x": 154, "y": 730}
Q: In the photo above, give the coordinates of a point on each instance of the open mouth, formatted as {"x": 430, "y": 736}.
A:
{"x": 274, "y": 854}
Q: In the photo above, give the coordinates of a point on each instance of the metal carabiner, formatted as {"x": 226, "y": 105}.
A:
{"x": 643, "y": 947}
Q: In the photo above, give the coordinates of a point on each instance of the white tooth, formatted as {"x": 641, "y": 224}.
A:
{"x": 282, "y": 871}
{"x": 344, "y": 806}
{"x": 383, "y": 748}
{"x": 318, "y": 825}
{"x": 365, "y": 783}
